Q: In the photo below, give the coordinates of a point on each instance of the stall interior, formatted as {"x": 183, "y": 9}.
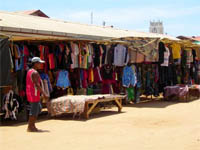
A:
{"x": 87, "y": 68}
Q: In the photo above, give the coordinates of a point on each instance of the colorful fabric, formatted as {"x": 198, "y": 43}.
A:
{"x": 63, "y": 79}
{"x": 189, "y": 58}
{"x": 136, "y": 57}
{"x": 75, "y": 103}
{"x": 46, "y": 77}
{"x": 74, "y": 55}
{"x": 130, "y": 93}
{"x": 176, "y": 50}
{"x": 67, "y": 104}
{"x": 120, "y": 55}
{"x": 97, "y": 75}
{"x": 91, "y": 75}
{"x": 176, "y": 90}
{"x": 89, "y": 91}
{"x": 146, "y": 46}
{"x": 51, "y": 61}
{"x": 128, "y": 77}
{"x": 10, "y": 105}
{"x": 166, "y": 57}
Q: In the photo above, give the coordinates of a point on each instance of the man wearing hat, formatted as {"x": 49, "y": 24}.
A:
{"x": 33, "y": 91}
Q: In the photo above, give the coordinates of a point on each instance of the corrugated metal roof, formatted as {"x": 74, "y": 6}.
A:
{"x": 33, "y": 12}
{"x": 28, "y": 12}
{"x": 21, "y": 25}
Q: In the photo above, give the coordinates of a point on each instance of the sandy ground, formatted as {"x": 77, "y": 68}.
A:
{"x": 153, "y": 125}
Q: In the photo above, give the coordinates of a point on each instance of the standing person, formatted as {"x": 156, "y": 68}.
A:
{"x": 33, "y": 91}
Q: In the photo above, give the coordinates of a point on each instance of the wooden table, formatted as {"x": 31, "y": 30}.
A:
{"x": 194, "y": 93}
{"x": 116, "y": 98}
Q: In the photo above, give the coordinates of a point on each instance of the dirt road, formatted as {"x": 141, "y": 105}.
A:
{"x": 147, "y": 126}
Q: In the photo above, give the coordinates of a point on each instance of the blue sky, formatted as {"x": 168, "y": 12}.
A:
{"x": 180, "y": 17}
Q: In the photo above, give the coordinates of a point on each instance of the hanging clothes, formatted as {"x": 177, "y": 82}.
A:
{"x": 121, "y": 56}
{"x": 83, "y": 56}
{"x": 47, "y": 84}
{"x": 97, "y": 75}
{"x": 19, "y": 57}
{"x": 91, "y": 75}
{"x": 129, "y": 77}
{"x": 26, "y": 55}
{"x": 84, "y": 78}
{"x": 166, "y": 57}
{"x": 130, "y": 93}
{"x": 66, "y": 60}
{"x": 103, "y": 53}
{"x": 11, "y": 105}
{"x": 97, "y": 53}
{"x": 63, "y": 79}
{"x": 74, "y": 55}
{"x": 136, "y": 57}
{"x": 138, "y": 85}
{"x": 108, "y": 78}
{"x": 176, "y": 50}
{"x": 41, "y": 49}
{"x": 107, "y": 72}
{"x": 149, "y": 83}
{"x": 161, "y": 52}
{"x": 90, "y": 57}
{"x": 110, "y": 55}
{"x": 5, "y": 62}
{"x": 189, "y": 58}
{"x": 74, "y": 76}
{"x": 51, "y": 61}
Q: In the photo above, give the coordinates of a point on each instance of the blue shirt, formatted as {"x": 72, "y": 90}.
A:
{"x": 128, "y": 77}
{"x": 63, "y": 79}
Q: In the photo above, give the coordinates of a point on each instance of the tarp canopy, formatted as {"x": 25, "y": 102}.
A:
{"x": 188, "y": 42}
{"x": 5, "y": 64}
{"x": 27, "y": 27}
{"x": 185, "y": 43}
{"x": 146, "y": 46}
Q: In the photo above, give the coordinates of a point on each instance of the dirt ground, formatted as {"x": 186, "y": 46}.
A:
{"x": 156, "y": 125}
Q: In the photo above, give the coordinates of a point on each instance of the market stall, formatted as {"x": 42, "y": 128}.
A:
{"x": 160, "y": 65}
{"x": 88, "y": 60}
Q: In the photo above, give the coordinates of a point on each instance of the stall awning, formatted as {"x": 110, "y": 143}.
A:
{"x": 23, "y": 27}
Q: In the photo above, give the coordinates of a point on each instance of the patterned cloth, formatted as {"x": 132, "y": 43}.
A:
{"x": 74, "y": 103}
{"x": 146, "y": 46}
{"x": 176, "y": 90}
{"x": 128, "y": 77}
{"x": 63, "y": 79}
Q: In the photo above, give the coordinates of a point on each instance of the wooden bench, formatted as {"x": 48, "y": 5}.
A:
{"x": 82, "y": 105}
{"x": 91, "y": 104}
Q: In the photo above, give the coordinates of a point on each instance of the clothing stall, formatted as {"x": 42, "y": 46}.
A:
{"x": 134, "y": 67}
{"x": 71, "y": 68}
{"x": 77, "y": 67}
{"x": 161, "y": 68}
{"x": 90, "y": 60}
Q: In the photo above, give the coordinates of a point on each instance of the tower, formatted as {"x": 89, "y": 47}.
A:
{"x": 156, "y": 27}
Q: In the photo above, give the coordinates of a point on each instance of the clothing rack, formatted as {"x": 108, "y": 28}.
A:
{"x": 6, "y": 86}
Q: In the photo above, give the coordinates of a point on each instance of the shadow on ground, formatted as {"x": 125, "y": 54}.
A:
{"x": 64, "y": 117}
{"x": 160, "y": 103}
{"x": 157, "y": 103}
